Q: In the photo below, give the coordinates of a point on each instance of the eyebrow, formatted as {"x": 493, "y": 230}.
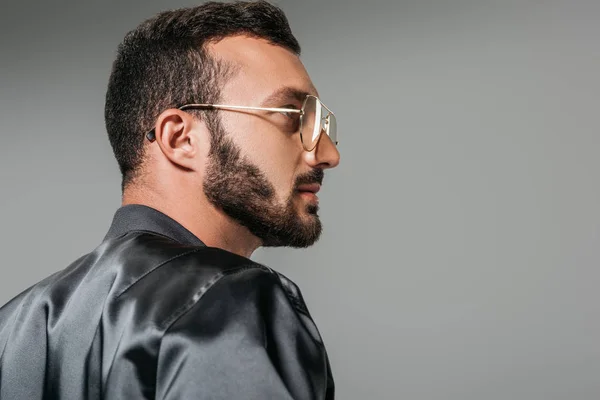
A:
{"x": 286, "y": 93}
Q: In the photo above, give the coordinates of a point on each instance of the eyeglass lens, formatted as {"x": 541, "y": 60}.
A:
{"x": 311, "y": 130}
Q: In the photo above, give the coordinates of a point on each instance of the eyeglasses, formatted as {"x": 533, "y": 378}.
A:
{"x": 315, "y": 118}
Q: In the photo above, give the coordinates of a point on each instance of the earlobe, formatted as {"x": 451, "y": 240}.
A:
{"x": 175, "y": 135}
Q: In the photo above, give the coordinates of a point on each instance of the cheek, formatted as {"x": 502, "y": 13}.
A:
{"x": 281, "y": 172}
{"x": 279, "y": 162}
{"x": 276, "y": 153}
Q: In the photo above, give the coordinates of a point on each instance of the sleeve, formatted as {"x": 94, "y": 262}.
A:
{"x": 243, "y": 338}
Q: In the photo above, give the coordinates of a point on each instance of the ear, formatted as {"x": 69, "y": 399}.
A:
{"x": 177, "y": 136}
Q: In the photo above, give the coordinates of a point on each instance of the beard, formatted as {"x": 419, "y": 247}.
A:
{"x": 243, "y": 192}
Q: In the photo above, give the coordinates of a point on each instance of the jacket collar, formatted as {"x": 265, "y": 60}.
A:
{"x": 137, "y": 217}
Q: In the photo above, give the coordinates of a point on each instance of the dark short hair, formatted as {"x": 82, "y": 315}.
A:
{"x": 163, "y": 63}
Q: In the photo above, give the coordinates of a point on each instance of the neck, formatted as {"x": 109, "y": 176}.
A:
{"x": 208, "y": 223}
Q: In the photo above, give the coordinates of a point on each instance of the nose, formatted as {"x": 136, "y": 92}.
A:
{"x": 325, "y": 155}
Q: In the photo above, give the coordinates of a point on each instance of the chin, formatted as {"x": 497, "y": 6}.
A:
{"x": 293, "y": 244}
{"x": 305, "y": 233}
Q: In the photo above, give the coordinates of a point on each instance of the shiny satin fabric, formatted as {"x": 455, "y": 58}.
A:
{"x": 145, "y": 316}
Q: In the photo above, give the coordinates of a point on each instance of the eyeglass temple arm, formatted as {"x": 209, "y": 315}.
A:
{"x": 151, "y": 136}
{"x": 228, "y": 107}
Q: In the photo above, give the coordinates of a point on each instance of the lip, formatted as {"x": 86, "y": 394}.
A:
{"x": 311, "y": 188}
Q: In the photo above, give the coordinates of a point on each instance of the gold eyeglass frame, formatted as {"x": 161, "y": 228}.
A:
{"x": 318, "y": 129}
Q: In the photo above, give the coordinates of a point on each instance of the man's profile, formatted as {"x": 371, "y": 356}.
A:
{"x": 222, "y": 142}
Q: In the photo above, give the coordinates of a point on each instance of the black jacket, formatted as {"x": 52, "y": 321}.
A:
{"x": 153, "y": 313}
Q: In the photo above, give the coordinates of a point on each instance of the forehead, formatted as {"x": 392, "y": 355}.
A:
{"x": 261, "y": 69}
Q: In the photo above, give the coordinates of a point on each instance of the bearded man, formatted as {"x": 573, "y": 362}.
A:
{"x": 222, "y": 142}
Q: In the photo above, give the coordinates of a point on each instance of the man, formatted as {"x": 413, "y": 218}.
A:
{"x": 222, "y": 143}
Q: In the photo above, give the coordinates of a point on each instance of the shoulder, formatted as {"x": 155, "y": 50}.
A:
{"x": 253, "y": 301}
{"x": 163, "y": 280}
{"x": 246, "y": 320}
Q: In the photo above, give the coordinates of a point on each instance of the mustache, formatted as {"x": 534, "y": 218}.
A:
{"x": 314, "y": 176}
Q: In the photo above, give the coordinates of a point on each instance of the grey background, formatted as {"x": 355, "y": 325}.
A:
{"x": 460, "y": 257}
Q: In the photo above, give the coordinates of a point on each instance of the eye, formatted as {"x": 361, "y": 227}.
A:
{"x": 292, "y": 119}
{"x": 290, "y": 114}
